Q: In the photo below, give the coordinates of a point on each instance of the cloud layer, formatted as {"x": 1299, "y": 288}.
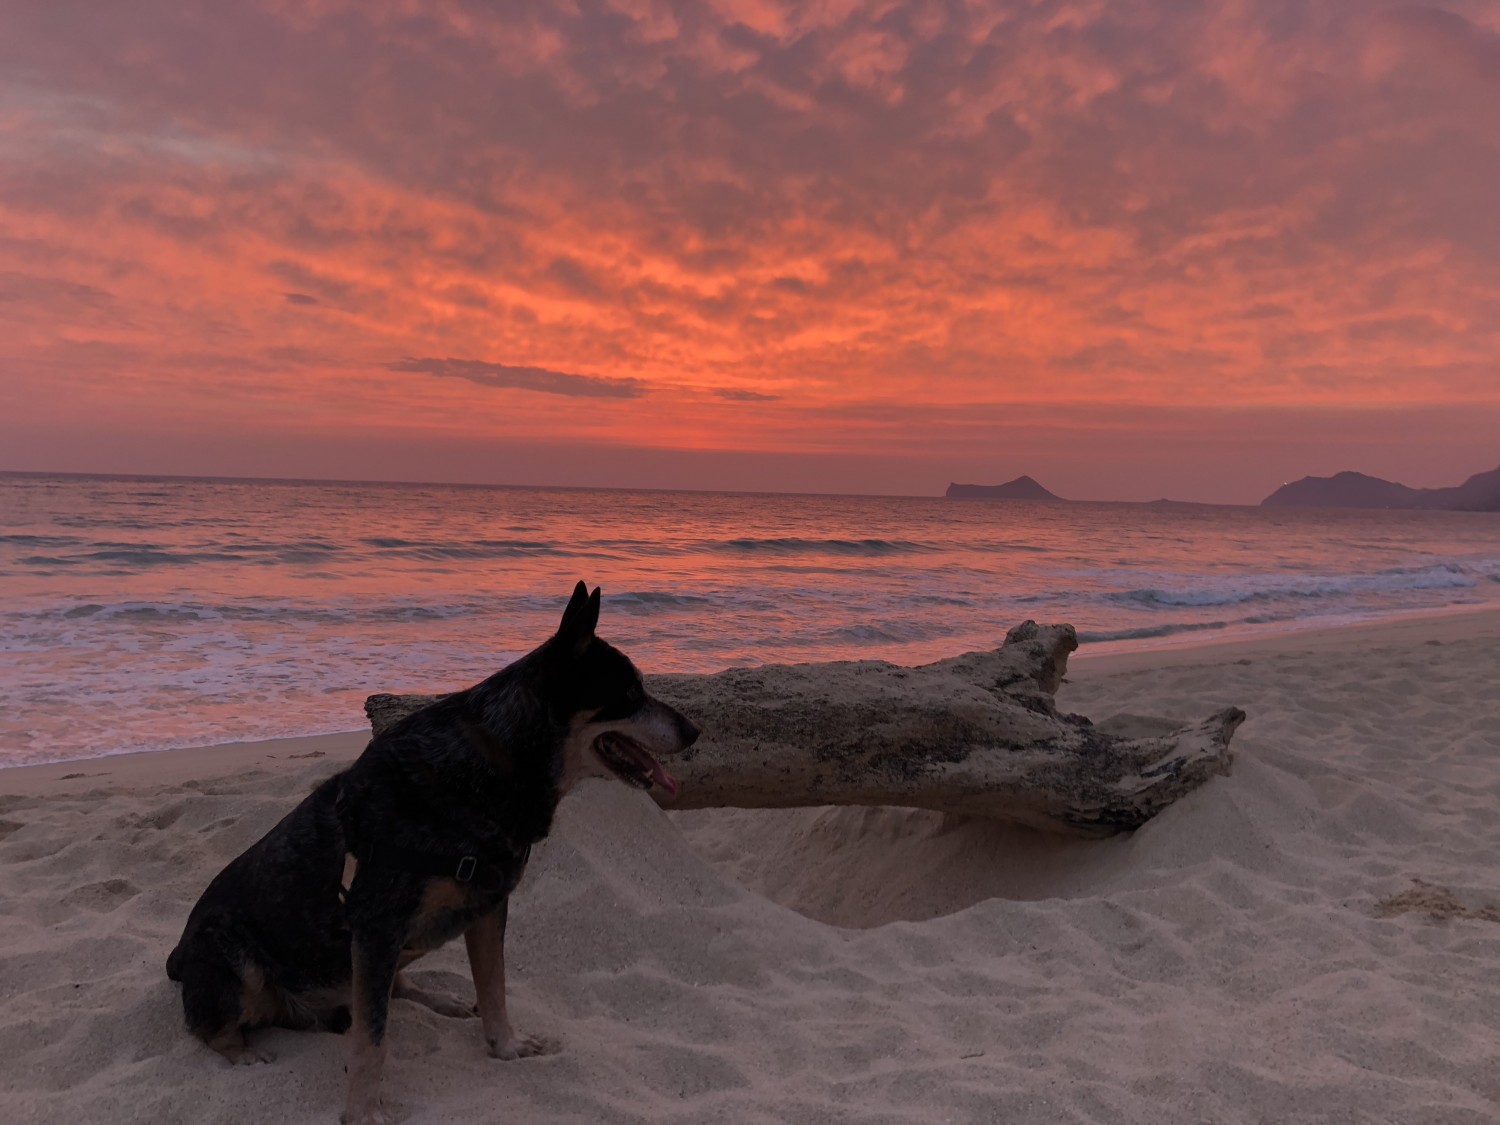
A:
{"x": 851, "y": 229}
{"x": 524, "y": 378}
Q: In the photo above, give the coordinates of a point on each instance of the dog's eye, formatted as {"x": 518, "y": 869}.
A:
{"x": 623, "y": 705}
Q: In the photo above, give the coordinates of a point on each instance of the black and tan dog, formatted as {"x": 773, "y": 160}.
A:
{"x": 423, "y": 838}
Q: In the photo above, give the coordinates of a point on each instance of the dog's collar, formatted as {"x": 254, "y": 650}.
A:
{"x": 464, "y": 869}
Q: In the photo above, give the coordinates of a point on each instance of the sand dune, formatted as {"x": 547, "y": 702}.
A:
{"x": 1230, "y": 962}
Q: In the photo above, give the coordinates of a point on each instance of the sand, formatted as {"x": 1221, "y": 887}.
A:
{"x": 1311, "y": 939}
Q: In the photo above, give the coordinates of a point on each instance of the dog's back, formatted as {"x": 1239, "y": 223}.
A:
{"x": 269, "y": 940}
{"x": 268, "y": 930}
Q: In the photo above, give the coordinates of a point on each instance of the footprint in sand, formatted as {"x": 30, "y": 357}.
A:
{"x": 103, "y": 897}
{"x": 1438, "y": 903}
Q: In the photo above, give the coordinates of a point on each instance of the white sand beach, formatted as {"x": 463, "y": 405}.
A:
{"x": 1313, "y": 938}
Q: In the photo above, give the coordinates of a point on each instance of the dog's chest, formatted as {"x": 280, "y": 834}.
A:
{"x": 447, "y": 909}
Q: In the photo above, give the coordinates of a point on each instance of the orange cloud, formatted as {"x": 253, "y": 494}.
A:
{"x": 860, "y": 230}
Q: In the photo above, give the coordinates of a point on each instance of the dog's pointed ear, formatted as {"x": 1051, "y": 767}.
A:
{"x": 581, "y": 618}
{"x": 575, "y": 603}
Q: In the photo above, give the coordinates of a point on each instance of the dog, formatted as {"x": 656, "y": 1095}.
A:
{"x": 421, "y": 839}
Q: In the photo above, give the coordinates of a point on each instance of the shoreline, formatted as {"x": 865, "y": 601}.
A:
{"x": 216, "y": 760}
{"x": 1448, "y": 623}
{"x": 140, "y": 768}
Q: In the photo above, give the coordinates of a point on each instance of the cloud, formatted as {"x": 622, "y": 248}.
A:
{"x": 29, "y": 288}
{"x": 1457, "y": 41}
{"x": 901, "y": 202}
{"x": 738, "y": 394}
{"x": 524, "y": 378}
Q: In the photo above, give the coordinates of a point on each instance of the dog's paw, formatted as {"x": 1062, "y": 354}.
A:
{"x": 522, "y": 1047}
{"x": 450, "y": 1006}
{"x": 454, "y": 1008}
{"x": 439, "y": 1002}
{"x": 247, "y": 1056}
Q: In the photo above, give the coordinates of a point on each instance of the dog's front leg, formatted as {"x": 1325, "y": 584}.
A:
{"x": 485, "y": 940}
{"x": 375, "y": 956}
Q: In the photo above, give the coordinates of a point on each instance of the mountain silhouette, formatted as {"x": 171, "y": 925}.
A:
{"x": 1480, "y": 493}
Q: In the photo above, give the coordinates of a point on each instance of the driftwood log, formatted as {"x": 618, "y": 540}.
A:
{"x": 978, "y": 734}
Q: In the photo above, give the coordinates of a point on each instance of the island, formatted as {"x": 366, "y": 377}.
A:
{"x": 1480, "y": 493}
{"x": 1022, "y": 488}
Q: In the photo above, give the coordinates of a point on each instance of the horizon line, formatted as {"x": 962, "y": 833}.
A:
{"x": 232, "y": 479}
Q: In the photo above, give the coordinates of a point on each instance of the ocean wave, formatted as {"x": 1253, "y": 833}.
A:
{"x": 638, "y": 601}
{"x": 139, "y": 612}
{"x": 157, "y": 556}
{"x": 394, "y": 544}
{"x": 296, "y": 551}
{"x": 1264, "y": 587}
{"x": 347, "y": 611}
{"x": 1002, "y": 546}
{"x": 50, "y": 553}
{"x": 28, "y": 540}
{"x": 869, "y": 634}
{"x": 484, "y": 549}
{"x": 795, "y": 545}
{"x": 122, "y": 560}
{"x": 935, "y": 599}
{"x": 1149, "y": 632}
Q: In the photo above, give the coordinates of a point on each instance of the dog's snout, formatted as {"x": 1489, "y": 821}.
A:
{"x": 668, "y": 718}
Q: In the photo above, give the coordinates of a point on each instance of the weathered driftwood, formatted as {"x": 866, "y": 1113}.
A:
{"x": 977, "y": 734}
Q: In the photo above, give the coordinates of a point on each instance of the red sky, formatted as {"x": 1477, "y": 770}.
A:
{"x": 1133, "y": 249}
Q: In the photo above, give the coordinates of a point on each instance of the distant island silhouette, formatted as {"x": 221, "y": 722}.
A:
{"x": 1022, "y": 488}
{"x": 1480, "y": 493}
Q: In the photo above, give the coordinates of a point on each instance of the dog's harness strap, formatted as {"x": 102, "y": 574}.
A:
{"x": 351, "y": 865}
{"x": 462, "y": 868}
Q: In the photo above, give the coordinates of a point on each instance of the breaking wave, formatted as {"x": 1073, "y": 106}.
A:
{"x": 1201, "y": 592}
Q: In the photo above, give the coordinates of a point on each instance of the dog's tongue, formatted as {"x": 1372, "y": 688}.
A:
{"x": 645, "y": 759}
{"x": 660, "y": 776}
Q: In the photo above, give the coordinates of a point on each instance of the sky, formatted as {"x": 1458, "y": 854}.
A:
{"x": 1133, "y": 249}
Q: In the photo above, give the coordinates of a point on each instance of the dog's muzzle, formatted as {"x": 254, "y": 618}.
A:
{"x": 632, "y": 763}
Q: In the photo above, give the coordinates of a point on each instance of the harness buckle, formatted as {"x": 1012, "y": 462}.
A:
{"x": 466, "y": 868}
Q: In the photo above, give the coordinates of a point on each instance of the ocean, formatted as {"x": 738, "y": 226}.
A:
{"x": 154, "y": 613}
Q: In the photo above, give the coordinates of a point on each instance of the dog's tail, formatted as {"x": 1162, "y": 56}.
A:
{"x": 174, "y": 964}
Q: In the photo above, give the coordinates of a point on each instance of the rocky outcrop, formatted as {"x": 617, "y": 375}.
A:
{"x": 1022, "y": 488}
